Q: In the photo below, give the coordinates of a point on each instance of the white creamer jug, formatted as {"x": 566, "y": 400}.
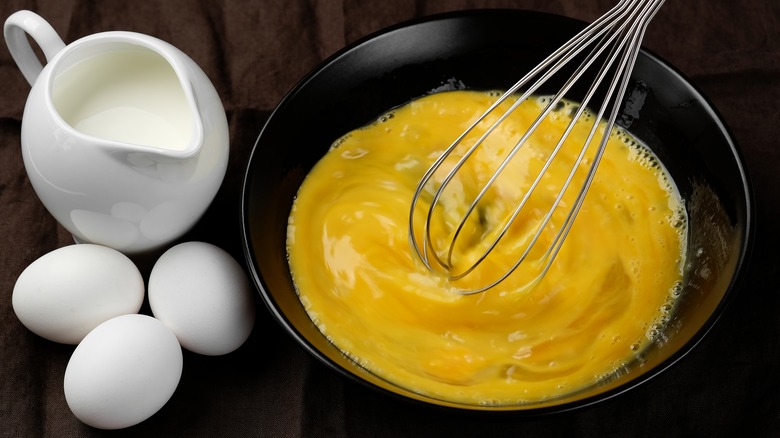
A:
{"x": 124, "y": 138}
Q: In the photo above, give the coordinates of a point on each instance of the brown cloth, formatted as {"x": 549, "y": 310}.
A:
{"x": 254, "y": 52}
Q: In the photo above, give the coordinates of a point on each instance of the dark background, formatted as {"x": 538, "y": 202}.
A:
{"x": 254, "y": 52}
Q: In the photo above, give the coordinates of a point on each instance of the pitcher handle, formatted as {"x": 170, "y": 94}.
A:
{"x": 40, "y": 30}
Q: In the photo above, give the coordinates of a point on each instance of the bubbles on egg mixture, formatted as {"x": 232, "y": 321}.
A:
{"x": 339, "y": 141}
{"x": 676, "y": 290}
{"x": 565, "y": 108}
{"x": 678, "y": 219}
{"x": 450, "y": 84}
{"x": 642, "y": 154}
{"x": 386, "y": 117}
{"x": 655, "y": 331}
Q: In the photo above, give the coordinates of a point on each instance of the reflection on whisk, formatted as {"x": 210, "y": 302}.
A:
{"x": 458, "y": 240}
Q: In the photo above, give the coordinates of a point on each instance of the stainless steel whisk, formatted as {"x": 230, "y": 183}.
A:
{"x": 615, "y": 37}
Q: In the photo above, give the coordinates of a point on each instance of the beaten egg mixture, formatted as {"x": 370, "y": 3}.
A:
{"x": 603, "y": 300}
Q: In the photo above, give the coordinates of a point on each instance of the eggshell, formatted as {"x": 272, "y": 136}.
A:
{"x": 66, "y": 293}
{"x": 202, "y": 293}
{"x": 124, "y": 371}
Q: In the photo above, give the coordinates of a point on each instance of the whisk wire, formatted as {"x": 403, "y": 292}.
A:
{"x": 628, "y": 61}
{"x": 621, "y": 30}
{"x": 571, "y": 49}
{"x": 582, "y": 68}
{"x": 464, "y": 158}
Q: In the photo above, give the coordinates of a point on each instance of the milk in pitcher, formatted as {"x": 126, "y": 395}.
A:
{"x": 129, "y": 96}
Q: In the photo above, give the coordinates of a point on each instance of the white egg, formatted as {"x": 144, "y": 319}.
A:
{"x": 202, "y": 293}
{"x": 66, "y": 293}
{"x": 123, "y": 372}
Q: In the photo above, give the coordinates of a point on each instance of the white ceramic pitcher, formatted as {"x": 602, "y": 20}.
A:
{"x": 124, "y": 138}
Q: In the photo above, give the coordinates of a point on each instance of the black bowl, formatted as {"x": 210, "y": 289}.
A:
{"x": 491, "y": 49}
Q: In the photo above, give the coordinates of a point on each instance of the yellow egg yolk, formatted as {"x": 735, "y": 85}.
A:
{"x": 521, "y": 341}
